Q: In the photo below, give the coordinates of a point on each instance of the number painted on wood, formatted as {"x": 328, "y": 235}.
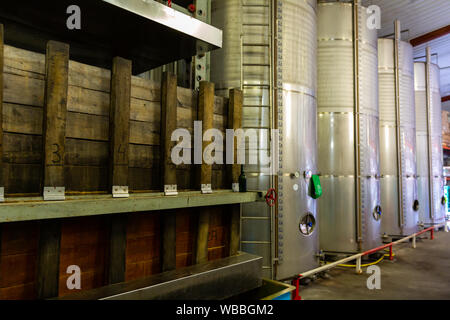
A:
{"x": 56, "y": 154}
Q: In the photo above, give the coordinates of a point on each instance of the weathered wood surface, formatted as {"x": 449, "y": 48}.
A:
{"x": 2, "y": 179}
{"x": 119, "y": 122}
{"x": 47, "y": 279}
{"x": 87, "y": 123}
{"x": 169, "y": 125}
{"x": 55, "y": 112}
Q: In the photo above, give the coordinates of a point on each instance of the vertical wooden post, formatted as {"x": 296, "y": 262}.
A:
{"x": 205, "y": 115}
{"x": 168, "y": 253}
{"x": 235, "y": 122}
{"x": 234, "y": 170}
{"x": 168, "y": 126}
{"x": 120, "y": 126}
{"x": 55, "y": 111}
{"x": 168, "y": 168}
{"x": 54, "y": 125}
{"x": 47, "y": 281}
{"x": 2, "y": 179}
{"x": 117, "y": 249}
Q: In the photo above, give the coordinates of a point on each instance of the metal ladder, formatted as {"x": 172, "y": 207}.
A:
{"x": 252, "y": 239}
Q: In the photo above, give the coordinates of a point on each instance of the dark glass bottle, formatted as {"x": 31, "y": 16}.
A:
{"x": 242, "y": 181}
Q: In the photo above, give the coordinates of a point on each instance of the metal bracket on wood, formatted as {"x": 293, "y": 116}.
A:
{"x": 2, "y": 194}
{"x": 206, "y": 188}
{"x": 235, "y": 187}
{"x": 120, "y": 192}
{"x": 170, "y": 190}
{"x": 54, "y": 193}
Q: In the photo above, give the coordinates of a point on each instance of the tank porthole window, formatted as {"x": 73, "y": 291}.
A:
{"x": 307, "y": 224}
{"x": 416, "y": 205}
{"x": 377, "y": 213}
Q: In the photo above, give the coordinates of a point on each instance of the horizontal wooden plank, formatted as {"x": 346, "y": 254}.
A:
{"x": 184, "y": 260}
{"x": 88, "y": 101}
{"x": 86, "y": 126}
{"x": 142, "y": 225}
{"x": 89, "y": 77}
{"x": 145, "y": 89}
{"x": 23, "y": 90}
{"x": 19, "y": 238}
{"x": 142, "y": 269}
{"x": 86, "y": 178}
{"x": 22, "y": 178}
{"x": 142, "y": 156}
{"x": 27, "y": 209}
{"x": 20, "y": 292}
{"x": 144, "y": 179}
{"x": 144, "y": 133}
{"x": 22, "y": 119}
{"x": 25, "y": 60}
{"x": 144, "y": 110}
{"x": 87, "y": 231}
{"x": 86, "y": 153}
{"x": 17, "y": 269}
{"x": 143, "y": 248}
{"x": 22, "y": 148}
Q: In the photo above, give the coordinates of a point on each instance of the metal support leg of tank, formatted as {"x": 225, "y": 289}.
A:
{"x": 358, "y": 265}
{"x": 296, "y": 292}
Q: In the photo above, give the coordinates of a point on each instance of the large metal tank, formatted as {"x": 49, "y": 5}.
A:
{"x": 429, "y": 143}
{"x": 348, "y": 128}
{"x": 397, "y": 137}
{"x": 279, "y": 73}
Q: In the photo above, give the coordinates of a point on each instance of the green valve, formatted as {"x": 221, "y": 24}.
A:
{"x": 317, "y": 188}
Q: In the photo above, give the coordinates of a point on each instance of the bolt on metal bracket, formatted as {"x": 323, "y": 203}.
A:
{"x": 170, "y": 190}
{"x": 120, "y": 192}
{"x": 206, "y": 188}
{"x": 54, "y": 193}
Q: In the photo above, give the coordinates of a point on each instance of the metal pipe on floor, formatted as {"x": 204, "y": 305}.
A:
{"x": 358, "y": 256}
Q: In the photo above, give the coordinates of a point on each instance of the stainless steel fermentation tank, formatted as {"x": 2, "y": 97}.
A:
{"x": 429, "y": 142}
{"x": 397, "y": 137}
{"x": 269, "y": 51}
{"x": 348, "y": 127}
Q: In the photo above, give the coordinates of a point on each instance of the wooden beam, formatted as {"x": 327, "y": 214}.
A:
{"x": 120, "y": 126}
{"x": 47, "y": 281}
{"x": 235, "y": 228}
{"x": 235, "y": 122}
{"x": 205, "y": 115}
{"x": 117, "y": 249}
{"x": 445, "y": 99}
{"x": 30, "y": 209}
{"x": 169, "y": 105}
{"x": 54, "y": 125}
{"x": 168, "y": 125}
{"x": 430, "y": 36}
{"x": 2, "y": 59}
{"x": 168, "y": 243}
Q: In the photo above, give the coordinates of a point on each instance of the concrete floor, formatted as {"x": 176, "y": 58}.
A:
{"x": 421, "y": 273}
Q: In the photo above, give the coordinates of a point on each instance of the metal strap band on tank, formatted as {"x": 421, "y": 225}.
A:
{"x": 355, "y": 21}
{"x": 398, "y": 122}
{"x": 430, "y": 157}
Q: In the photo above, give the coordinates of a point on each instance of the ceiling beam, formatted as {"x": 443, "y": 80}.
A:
{"x": 430, "y": 36}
